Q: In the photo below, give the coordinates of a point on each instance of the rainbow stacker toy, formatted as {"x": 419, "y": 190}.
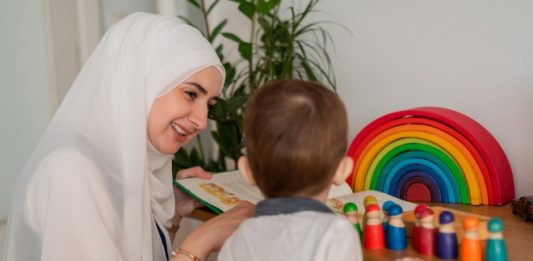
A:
{"x": 431, "y": 154}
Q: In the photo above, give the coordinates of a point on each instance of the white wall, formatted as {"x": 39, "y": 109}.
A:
{"x": 475, "y": 57}
{"x": 39, "y": 56}
{"x": 25, "y": 102}
{"x": 114, "y": 10}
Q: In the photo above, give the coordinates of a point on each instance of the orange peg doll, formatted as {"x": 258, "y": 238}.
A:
{"x": 470, "y": 249}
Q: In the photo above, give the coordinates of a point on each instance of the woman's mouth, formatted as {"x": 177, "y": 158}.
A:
{"x": 179, "y": 130}
{"x": 180, "y": 134}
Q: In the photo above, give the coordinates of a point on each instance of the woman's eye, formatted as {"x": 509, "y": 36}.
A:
{"x": 192, "y": 95}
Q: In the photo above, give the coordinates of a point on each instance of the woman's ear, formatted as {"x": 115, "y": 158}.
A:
{"x": 343, "y": 170}
{"x": 246, "y": 172}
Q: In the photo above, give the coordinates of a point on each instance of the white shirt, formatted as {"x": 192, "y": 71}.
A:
{"x": 305, "y": 235}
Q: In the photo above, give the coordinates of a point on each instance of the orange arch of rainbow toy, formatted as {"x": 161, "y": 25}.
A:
{"x": 432, "y": 146}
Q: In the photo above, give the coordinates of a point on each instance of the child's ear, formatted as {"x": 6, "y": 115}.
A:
{"x": 343, "y": 170}
{"x": 244, "y": 168}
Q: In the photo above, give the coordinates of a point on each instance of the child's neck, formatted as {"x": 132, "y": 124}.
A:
{"x": 322, "y": 196}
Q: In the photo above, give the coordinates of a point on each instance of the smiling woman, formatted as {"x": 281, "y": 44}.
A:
{"x": 181, "y": 114}
{"x": 98, "y": 186}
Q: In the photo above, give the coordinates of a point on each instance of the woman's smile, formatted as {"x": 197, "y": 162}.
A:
{"x": 180, "y": 133}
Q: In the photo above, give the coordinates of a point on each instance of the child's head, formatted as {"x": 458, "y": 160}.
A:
{"x": 296, "y": 138}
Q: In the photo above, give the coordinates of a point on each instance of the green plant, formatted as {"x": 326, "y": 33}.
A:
{"x": 282, "y": 44}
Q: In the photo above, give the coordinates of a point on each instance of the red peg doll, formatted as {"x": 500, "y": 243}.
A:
{"x": 374, "y": 236}
{"x": 416, "y": 226}
{"x": 426, "y": 235}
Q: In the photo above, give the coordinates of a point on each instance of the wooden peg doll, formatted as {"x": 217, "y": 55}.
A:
{"x": 350, "y": 211}
{"x": 416, "y": 226}
{"x": 446, "y": 238}
{"x": 395, "y": 234}
{"x": 374, "y": 237}
{"x": 470, "y": 245}
{"x": 369, "y": 200}
{"x": 386, "y": 205}
{"x": 426, "y": 235}
{"x": 495, "y": 249}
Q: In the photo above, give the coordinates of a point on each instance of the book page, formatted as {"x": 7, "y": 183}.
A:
{"x": 226, "y": 189}
{"x": 223, "y": 191}
{"x": 339, "y": 190}
{"x": 337, "y": 203}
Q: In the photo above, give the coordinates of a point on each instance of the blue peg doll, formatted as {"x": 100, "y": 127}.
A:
{"x": 386, "y": 205}
{"x": 396, "y": 238}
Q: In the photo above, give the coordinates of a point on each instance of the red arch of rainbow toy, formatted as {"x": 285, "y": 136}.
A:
{"x": 451, "y": 150}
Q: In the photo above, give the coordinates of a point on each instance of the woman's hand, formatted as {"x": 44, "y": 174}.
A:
{"x": 185, "y": 204}
{"x": 212, "y": 234}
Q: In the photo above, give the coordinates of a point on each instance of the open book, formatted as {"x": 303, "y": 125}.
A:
{"x": 226, "y": 189}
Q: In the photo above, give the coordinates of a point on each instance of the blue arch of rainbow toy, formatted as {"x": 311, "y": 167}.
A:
{"x": 412, "y": 164}
{"x": 433, "y": 164}
{"x": 428, "y": 147}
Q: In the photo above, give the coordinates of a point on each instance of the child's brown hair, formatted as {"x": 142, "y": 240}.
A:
{"x": 296, "y": 135}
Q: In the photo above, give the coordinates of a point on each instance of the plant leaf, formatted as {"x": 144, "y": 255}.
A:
{"x": 195, "y": 3}
{"x": 187, "y": 21}
{"x": 196, "y": 160}
{"x": 215, "y": 3}
{"x": 264, "y": 7}
{"x": 232, "y": 37}
{"x": 248, "y": 9}
{"x": 245, "y": 49}
{"x": 217, "y": 30}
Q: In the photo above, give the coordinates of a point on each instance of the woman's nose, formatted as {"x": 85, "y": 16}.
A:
{"x": 198, "y": 117}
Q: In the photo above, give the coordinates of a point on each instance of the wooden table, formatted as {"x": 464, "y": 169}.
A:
{"x": 517, "y": 233}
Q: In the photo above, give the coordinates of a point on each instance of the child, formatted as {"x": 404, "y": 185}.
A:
{"x": 296, "y": 138}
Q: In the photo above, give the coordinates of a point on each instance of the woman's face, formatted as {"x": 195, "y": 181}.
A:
{"x": 181, "y": 114}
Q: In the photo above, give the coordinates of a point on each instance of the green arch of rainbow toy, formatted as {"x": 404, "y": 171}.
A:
{"x": 434, "y": 151}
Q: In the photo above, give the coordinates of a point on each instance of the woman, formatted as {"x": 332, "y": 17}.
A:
{"x": 98, "y": 185}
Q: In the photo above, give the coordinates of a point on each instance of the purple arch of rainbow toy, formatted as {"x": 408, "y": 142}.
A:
{"x": 413, "y": 177}
{"x": 442, "y": 170}
{"x": 390, "y": 184}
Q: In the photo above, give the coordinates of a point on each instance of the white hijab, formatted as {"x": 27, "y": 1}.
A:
{"x": 105, "y": 115}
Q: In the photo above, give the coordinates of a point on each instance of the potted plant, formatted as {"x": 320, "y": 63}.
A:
{"x": 279, "y": 47}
